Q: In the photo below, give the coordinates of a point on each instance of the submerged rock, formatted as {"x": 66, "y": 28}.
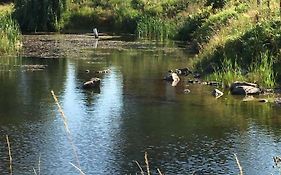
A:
{"x": 93, "y": 83}
{"x": 217, "y": 93}
{"x": 244, "y": 88}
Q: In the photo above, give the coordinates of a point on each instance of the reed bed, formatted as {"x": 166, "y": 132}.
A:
{"x": 10, "y": 35}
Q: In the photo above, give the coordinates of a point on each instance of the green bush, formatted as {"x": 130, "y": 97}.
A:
{"x": 213, "y": 24}
{"x": 191, "y": 24}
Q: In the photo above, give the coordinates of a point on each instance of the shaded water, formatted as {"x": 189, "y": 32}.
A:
{"x": 134, "y": 112}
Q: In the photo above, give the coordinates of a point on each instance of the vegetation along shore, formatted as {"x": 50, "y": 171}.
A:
{"x": 232, "y": 40}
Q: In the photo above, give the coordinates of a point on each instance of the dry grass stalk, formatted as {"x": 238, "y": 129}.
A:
{"x": 62, "y": 113}
{"x": 239, "y": 166}
{"x": 80, "y": 171}
{"x": 34, "y": 171}
{"x": 142, "y": 172}
{"x": 160, "y": 173}
{"x": 38, "y": 166}
{"x": 64, "y": 118}
{"x": 10, "y": 155}
{"x": 147, "y": 164}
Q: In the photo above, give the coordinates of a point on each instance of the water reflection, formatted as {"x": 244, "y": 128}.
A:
{"x": 134, "y": 111}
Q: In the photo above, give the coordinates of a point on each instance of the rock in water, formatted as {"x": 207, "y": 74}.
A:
{"x": 183, "y": 71}
{"x": 175, "y": 78}
{"x": 217, "y": 93}
{"x": 244, "y": 88}
{"x": 93, "y": 83}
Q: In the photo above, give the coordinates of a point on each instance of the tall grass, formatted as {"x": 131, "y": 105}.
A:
{"x": 10, "y": 37}
{"x": 262, "y": 71}
{"x": 155, "y": 28}
{"x": 228, "y": 73}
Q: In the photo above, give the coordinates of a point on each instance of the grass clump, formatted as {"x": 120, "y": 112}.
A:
{"x": 155, "y": 28}
{"x": 228, "y": 73}
{"x": 260, "y": 72}
{"x": 10, "y": 37}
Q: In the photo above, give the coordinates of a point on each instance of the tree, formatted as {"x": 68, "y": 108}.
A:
{"x": 39, "y": 15}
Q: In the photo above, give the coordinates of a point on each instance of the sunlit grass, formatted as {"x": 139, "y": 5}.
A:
{"x": 10, "y": 37}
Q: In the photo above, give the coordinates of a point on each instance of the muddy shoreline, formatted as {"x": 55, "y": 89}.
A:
{"x": 69, "y": 45}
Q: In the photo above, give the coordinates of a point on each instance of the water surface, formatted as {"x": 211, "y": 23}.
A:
{"x": 133, "y": 112}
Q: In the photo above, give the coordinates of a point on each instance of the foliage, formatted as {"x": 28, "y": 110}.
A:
{"x": 228, "y": 73}
{"x": 213, "y": 24}
{"x": 216, "y": 3}
{"x": 192, "y": 23}
{"x": 155, "y": 28}
{"x": 9, "y": 32}
{"x": 260, "y": 72}
{"x": 45, "y": 15}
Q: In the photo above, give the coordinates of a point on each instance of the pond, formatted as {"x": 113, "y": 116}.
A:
{"x": 133, "y": 112}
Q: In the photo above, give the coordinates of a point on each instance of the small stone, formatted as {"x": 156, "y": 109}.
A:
{"x": 217, "y": 93}
{"x": 263, "y": 100}
{"x": 277, "y": 101}
{"x": 186, "y": 91}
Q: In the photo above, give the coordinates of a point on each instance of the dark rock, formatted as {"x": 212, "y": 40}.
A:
{"x": 93, "y": 83}
{"x": 183, "y": 71}
{"x": 244, "y": 88}
{"x": 196, "y": 75}
{"x": 168, "y": 77}
{"x": 263, "y": 100}
{"x": 217, "y": 93}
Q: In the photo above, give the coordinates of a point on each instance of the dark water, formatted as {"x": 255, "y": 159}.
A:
{"x": 134, "y": 112}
